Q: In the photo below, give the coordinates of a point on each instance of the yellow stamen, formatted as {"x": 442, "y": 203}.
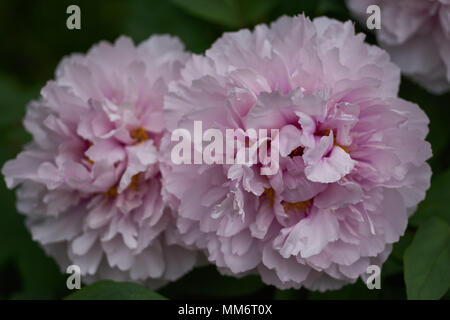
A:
{"x": 135, "y": 181}
{"x": 139, "y": 134}
{"x": 325, "y": 132}
{"x": 134, "y": 185}
{"x": 297, "y": 152}
{"x": 112, "y": 192}
{"x": 343, "y": 147}
{"x": 269, "y": 193}
{"x": 89, "y": 160}
{"x": 296, "y": 206}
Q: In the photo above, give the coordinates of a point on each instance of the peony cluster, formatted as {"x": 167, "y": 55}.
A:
{"x": 100, "y": 189}
{"x": 416, "y": 33}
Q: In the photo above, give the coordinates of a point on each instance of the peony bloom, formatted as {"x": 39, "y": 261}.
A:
{"x": 416, "y": 33}
{"x": 90, "y": 183}
{"x": 351, "y": 154}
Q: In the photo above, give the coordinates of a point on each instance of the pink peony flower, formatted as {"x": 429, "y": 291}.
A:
{"x": 417, "y": 35}
{"x": 90, "y": 183}
{"x": 352, "y": 154}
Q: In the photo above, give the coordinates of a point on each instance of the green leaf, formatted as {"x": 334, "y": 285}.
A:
{"x": 436, "y": 201}
{"x": 147, "y": 17}
{"x": 331, "y": 7}
{"x": 295, "y": 7}
{"x": 110, "y": 290}
{"x": 230, "y": 13}
{"x": 427, "y": 261}
{"x": 256, "y": 11}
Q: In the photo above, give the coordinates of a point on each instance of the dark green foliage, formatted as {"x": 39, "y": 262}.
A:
{"x": 110, "y": 290}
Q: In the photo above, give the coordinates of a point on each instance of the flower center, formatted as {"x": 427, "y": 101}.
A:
{"x": 296, "y": 206}
{"x": 326, "y": 132}
{"x": 134, "y": 185}
{"x": 297, "y": 152}
{"x": 139, "y": 134}
{"x": 112, "y": 192}
{"x": 86, "y": 158}
{"x": 269, "y": 194}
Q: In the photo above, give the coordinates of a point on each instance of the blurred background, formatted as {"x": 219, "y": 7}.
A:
{"x": 34, "y": 38}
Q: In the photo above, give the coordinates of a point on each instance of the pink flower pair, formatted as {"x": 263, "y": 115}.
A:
{"x": 100, "y": 189}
